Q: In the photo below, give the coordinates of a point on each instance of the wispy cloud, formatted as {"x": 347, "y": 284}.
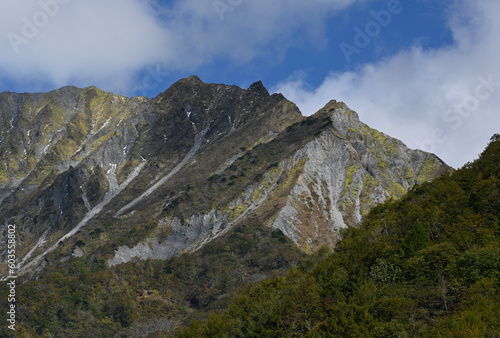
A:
{"x": 107, "y": 43}
{"x": 80, "y": 42}
{"x": 441, "y": 100}
{"x": 130, "y": 46}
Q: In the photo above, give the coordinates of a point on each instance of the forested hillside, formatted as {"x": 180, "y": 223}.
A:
{"x": 81, "y": 298}
{"x": 135, "y": 216}
{"x": 426, "y": 265}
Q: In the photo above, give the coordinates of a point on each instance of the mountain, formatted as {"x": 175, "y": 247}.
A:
{"x": 92, "y": 176}
{"x": 427, "y": 265}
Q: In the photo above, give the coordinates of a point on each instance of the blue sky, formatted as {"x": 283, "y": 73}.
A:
{"x": 426, "y": 72}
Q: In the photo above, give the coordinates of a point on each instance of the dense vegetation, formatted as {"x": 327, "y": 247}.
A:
{"x": 427, "y": 265}
{"x": 81, "y": 298}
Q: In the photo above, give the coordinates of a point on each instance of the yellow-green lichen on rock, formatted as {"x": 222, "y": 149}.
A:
{"x": 428, "y": 170}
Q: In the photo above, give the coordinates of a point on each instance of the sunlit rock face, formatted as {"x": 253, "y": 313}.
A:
{"x": 93, "y": 174}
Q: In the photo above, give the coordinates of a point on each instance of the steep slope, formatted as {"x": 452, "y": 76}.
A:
{"x": 349, "y": 169}
{"x": 71, "y": 152}
{"x": 190, "y": 164}
{"x": 120, "y": 203}
{"x": 309, "y": 182}
{"x": 427, "y": 265}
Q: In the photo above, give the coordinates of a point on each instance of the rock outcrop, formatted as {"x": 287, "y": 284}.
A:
{"x": 93, "y": 174}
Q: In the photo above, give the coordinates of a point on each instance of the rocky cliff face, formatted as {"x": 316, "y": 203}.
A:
{"x": 89, "y": 173}
{"x": 349, "y": 169}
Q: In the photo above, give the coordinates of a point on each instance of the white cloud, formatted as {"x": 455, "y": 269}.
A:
{"x": 79, "y": 41}
{"x": 241, "y": 30}
{"x": 434, "y": 100}
{"x": 105, "y": 43}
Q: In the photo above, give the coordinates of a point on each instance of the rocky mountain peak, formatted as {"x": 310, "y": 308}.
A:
{"x": 193, "y": 79}
{"x": 193, "y": 163}
{"x": 258, "y": 88}
{"x": 342, "y": 116}
{"x": 225, "y": 108}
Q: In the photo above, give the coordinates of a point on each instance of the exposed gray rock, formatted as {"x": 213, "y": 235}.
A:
{"x": 75, "y": 157}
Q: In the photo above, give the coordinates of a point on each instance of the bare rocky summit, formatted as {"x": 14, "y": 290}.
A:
{"x": 93, "y": 174}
